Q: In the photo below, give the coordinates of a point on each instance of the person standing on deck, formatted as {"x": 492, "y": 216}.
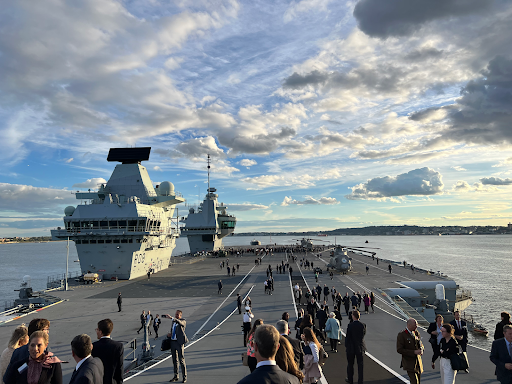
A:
{"x": 389, "y": 267}
{"x": 355, "y": 347}
{"x": 248, "y": 316}
{"x": 326, "y": 292}
{"x": 367, "y": 269}
{"x": 149, "y": 274}
{"x": 460, "y": 333}
{"x": 501, "y": 356}
{"x": 119, "y": 302}
{"x": 408, "y": 344}
{"x": 219, "y": 284}
{"x": 505, "y": 320}
{"x": 239, "y": 303}
{"x": 110, "y": 352}
{"x": 178, "y": 340}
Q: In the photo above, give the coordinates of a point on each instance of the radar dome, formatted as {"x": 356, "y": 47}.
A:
{"x": 69, "y": 210}
{"x": 166, "y": 188}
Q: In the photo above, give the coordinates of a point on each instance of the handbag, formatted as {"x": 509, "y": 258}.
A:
{"x": 245, "y": 359}
{"x": 459, "y": 361}
{"x": 322, "y": 356}
{"x": 166, "y": 344}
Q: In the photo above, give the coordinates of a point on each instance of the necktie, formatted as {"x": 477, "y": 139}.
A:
{"x": 510, "y": 349}
{"x": 174, "y": 331}
{"x": 458, "y": 323}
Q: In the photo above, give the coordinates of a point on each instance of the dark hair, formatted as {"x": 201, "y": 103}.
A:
{"x": 81, "y": 345}
{"x": 448, "y": 328}
{"x": 180, "y": 311}
{"x": 266, "y": 338}
{"x": 257, "y": 323}
{"x": 356, "y": 314}
{"x": 106, "y": 326}
{"x": 285, "y": 314}
{"x": 506, "y": 316}
{"x": 285, "y": 359}
{"x": 37, "y": 325}
{"x": 307, "y": 321}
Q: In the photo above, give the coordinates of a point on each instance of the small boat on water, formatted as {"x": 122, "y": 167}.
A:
{"x": 255, "y": 242}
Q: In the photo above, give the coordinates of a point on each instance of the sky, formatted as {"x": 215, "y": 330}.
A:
{"x": 318, "y": 114}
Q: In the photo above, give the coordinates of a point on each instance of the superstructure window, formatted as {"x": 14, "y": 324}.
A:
{"x": 122, "y": 223}
{"x": 85, "y": 241}
{"x": 115, "y": 241}
{"x": 112, "y": 224}
{"x": 76, "y": 224}
{"x": 78, "y": 241}
{"x": 101, "y": 241}
{"x": 142, "y": 225}
{"x": 104, "y": 224}
{"x": 108, "y": 241}
{"x": 228, "y": 224}
{"x": 92, "y": 242}
{"x": 124, "y": 241}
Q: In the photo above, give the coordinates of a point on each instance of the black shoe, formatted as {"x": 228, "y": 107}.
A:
{"x": 175, "y": 378}
{"x": 184, "y": 379}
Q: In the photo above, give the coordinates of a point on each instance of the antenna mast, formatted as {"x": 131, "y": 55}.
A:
{"x": 208, "y": 161}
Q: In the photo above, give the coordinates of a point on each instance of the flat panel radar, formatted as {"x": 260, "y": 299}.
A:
{"x": 129, "y": 155}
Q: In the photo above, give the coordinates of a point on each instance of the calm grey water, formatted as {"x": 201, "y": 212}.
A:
{"x": 482, "y": 264}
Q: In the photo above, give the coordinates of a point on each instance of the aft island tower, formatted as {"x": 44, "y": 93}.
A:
{"x": 126, "y": 228}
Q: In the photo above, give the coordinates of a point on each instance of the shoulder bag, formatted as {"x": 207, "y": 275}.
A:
{"x": 459, "y": 361}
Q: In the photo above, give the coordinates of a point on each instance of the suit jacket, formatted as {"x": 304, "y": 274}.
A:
{"x": 51, "y": 375}
{"x": 431, "y": 328}
{"x": 111, "y": 354}
{"x": 354, "y": 341}
{"x": 460, "y": 331}
{"x": 269, "y": 374}
{"x": 500, "y": 356}
{"x": 406, "y": 344}
{"x": 181, "y": 336}
{"x": 297, "y": 351}
{"x": 90, "y": 372}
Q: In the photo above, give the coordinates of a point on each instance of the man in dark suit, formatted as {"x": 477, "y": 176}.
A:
{"x": 239, "y": 303}
{"x": 178, "y": 340}
{"x": 119, "y": 301}
{"x": 110, "y": 352}
{"x": 89, "y": 370}
{"x": 282, "y": 328}
{"x": 266, "y": 344}
{"x": 460, "y": 330}
{"x": 355, "y": 347}
{"x": 501, "y": 356}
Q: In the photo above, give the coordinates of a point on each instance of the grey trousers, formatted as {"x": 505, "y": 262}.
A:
{"x": 177, "y": 351}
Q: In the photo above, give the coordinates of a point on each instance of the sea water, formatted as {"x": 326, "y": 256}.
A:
{"x": 482, "y": 264}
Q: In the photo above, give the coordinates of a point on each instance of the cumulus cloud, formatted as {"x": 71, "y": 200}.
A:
{"x": 495, "y": 181}
{"x": 503, "y": 163}
{"x": 422, "y": 181}
{"x": 246, "y": 207}
{"x": 247, "y": 163}
{"x": 461, "y": 186}
{"x": 402, "y": 17}
{"x": 93, "y": 183}
{"x": 309, "y": 200}
{"x": 157, "y": 168}
{"x": 34, "y": 200}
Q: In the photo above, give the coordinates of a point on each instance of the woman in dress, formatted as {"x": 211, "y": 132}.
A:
{"x": 333, "y": 331}
{"x": 447, "y": 347}
{"x": 39, "y": 368}
{"x": 251, "y": 360}
{"x": 285, "y": 359}
{"x": 434, "y": 329}
{"x": 18, "y": 339}
{"x": 312, "y": 352}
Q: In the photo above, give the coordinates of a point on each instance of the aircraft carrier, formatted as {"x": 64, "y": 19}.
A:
{"x": 213, "y": 323}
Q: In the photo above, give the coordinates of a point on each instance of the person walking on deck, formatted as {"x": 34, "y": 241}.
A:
{"x": 219, "y": 285}
{"x": 239, "y": 303}
{"x": 367, "y": 269}
{"x": 409, "y": 345}
{"x": 142, "y": 321}
{"x": 390, "y": 268}
{"x": 501, "y": 356}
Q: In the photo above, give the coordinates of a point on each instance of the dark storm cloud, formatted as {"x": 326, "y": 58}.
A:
{"x": 423, "y": 181}
{"x": 483, "y": 113}
{"x": 383, "y": 78}
{"x": 495, "y": 181}
{"x": 387, "y": 18}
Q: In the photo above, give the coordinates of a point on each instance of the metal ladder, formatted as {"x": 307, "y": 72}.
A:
{"x": 408, "y": 312}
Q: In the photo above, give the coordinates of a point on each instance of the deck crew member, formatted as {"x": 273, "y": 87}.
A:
{"x": 408, "y": 344}
{"x": 88, "y": 370}
{"x": 110, "y": 352}
{"x": 501, "y": 356}
{"x": 178, "y": 339}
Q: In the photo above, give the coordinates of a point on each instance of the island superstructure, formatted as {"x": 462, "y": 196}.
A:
{"x": 126, "y": 228}
{"x": 206, "y": 227}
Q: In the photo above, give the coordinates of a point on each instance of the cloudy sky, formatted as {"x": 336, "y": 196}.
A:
{"x": 319, "y": 114}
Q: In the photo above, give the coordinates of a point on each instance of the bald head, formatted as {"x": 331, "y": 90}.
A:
{"x": 412, "y": 324}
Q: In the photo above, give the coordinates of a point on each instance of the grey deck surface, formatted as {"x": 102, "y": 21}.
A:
{"x": 217, "y": 357}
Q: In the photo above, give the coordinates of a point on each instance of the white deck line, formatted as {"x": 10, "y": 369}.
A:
{"x": 193, "y": 342}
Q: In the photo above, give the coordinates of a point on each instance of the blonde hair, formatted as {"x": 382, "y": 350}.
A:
{"x": 40, "y": 334}
{"x": 19, "y": 334}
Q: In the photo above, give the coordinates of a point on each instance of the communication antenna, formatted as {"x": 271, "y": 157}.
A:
{"x": 209, "y": 161}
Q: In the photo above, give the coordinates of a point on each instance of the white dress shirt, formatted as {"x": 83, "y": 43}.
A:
{"x": 79, "y": 364}
{"x": 266, "y": 362}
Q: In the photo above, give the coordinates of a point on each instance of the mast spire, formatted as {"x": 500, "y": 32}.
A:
{"x": 208, "y": 161}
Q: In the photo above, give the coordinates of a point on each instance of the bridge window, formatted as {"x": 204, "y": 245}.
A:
{"x": 92, "y": 242}
{"x": 108, "y": 241}
{"x": 104, "y": 224}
